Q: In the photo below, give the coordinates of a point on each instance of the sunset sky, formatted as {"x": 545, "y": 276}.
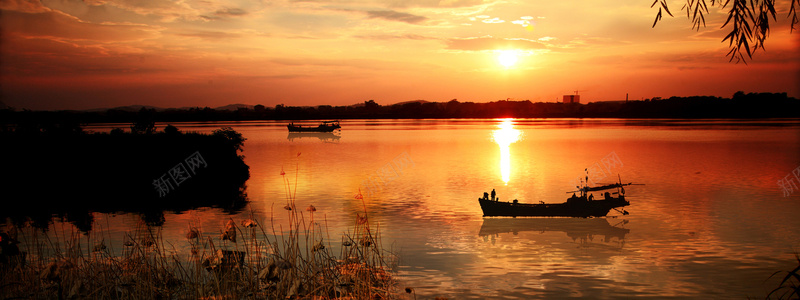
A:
{"x": 68, "y": 54}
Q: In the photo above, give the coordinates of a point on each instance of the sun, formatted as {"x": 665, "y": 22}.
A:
{"x": 507, "y": 58}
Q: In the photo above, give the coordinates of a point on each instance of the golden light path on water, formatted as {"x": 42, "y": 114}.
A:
{"x": 504, "y": 137}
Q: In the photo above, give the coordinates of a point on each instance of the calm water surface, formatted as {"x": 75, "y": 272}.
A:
{"x": 710, "y": 221}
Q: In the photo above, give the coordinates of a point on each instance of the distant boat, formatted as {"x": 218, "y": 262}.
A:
{"x": 326, "y": 126}
{"x": 576, "y": 206}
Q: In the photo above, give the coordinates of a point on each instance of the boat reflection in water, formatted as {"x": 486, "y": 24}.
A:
{"x": 328, "y": 137}
{"x": 504, "y": 137}
{"x": 582, "y": 230}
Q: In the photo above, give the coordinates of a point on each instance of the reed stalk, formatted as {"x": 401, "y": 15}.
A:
{"x": 249, "y": 259}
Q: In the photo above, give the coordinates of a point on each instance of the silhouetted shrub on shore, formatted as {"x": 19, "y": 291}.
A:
{"x": 59, "y": 173}
{"x": 171, "y": 130}
{"x": 145, "y": 122}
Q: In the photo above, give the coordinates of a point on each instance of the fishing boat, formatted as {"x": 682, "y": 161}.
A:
{"x": 326, "y": 126}
{"x": 583, "y": 205}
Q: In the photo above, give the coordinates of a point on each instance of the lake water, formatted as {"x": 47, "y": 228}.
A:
{"x": 710, "y": 220}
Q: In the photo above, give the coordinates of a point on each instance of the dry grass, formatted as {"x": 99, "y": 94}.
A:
{"x": 246, "y": 261}
{"x": 789, "y": 287}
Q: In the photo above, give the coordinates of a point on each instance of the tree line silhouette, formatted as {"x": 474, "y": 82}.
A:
{"x": 740, "y": 105}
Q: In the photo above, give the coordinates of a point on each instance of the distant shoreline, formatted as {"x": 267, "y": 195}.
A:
{"x": 740, "y": 106}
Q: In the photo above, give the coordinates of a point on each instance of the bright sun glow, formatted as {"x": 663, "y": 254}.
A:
{"x": 504, "y": 137}
{"x": 507, "y": 58}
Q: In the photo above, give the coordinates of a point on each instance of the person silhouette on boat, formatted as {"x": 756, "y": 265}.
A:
{"x": 608, "y": 196}
{"x": 485, "y": 196}
{"x": 591, "y": 197}
{"x": 493, "y": 194}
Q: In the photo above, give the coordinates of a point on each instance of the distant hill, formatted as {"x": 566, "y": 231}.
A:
{"x": 127, "y": 108}
{"x": 3, "y": 105}
{"x": 136, "y": 108}
{"x": 229, "y": 107}
{"x": 412, "y": 101}
{"x": 234, "y": 107}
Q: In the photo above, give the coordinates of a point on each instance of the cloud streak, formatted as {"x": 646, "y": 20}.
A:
{"x": 391, "y": 15}
{"x": 409, "y": 36}
{"x": 57, "y": 25}
{"x": 211, "y": 35}
{"x": 23, "y": 6}
{"x": 167, "y": 11}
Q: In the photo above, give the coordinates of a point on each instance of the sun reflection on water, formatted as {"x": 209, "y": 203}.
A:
{"x": 504, "y": 137}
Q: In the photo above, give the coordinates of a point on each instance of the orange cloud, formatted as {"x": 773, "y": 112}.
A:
{"x": 26, "y": 6}
{"x": 396, "y": 16}
{"x": 57, "y": 25}
{"x": 167, "y": 10}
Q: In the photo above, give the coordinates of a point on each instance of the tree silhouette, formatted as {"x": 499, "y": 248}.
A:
{"x": 145, "y": 122}
{"x": 234, "y": 138}
{"x": 171, "y": 130}
{"x": 748, "y": 19}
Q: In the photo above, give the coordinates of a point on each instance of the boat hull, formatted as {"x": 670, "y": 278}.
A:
{"x": 582, "y": 209}
{"x": 321, "y": 128}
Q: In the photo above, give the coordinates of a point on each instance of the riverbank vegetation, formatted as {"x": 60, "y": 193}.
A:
{"x": 246, "y": 259}
{"x": 117, "y": 171}
{"x": 54, "y": 167}
{"x": 789, "y": 286}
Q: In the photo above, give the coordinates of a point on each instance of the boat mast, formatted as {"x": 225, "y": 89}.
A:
{"x": 585, "y": 187}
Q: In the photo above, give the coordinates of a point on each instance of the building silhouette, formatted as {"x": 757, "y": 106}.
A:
{"x": 572, "y": 98}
